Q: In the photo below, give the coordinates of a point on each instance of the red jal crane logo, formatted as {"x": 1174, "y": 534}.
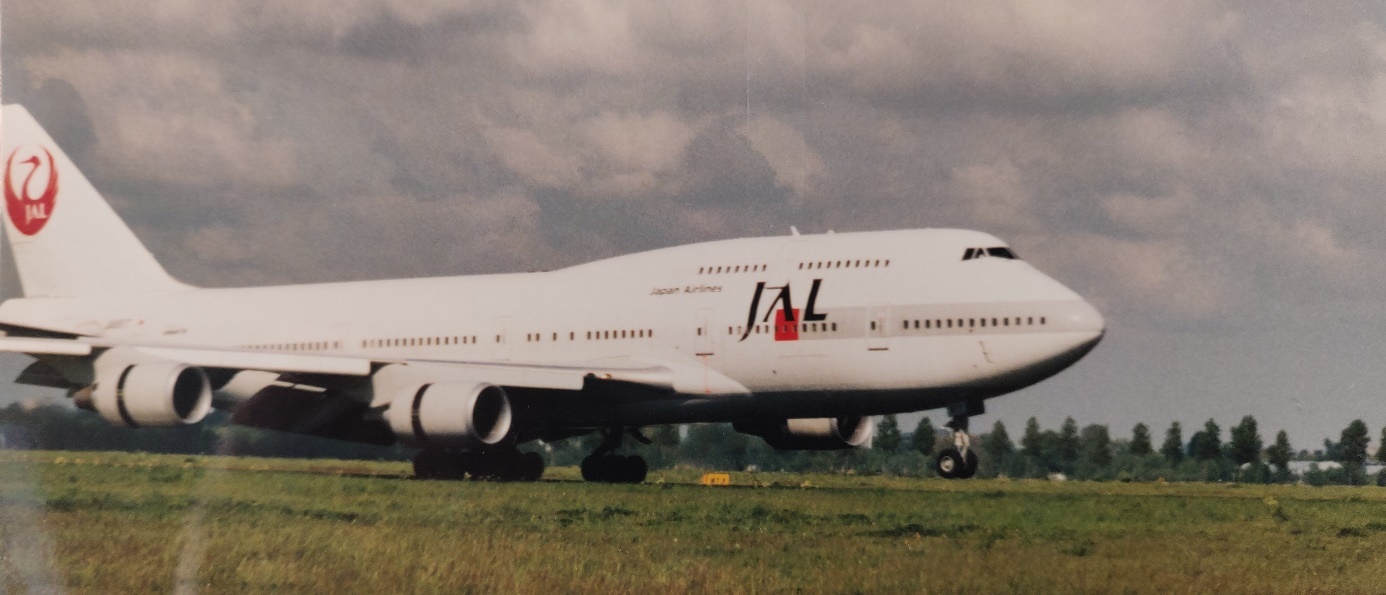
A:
{"x": 30, "y": 207}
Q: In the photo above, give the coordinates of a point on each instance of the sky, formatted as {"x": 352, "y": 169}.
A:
{"x": 1207, "y": 173}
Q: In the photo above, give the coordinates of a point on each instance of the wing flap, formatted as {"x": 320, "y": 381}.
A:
{"x": 44, "y": 346}
{"x": 332, "y": 365}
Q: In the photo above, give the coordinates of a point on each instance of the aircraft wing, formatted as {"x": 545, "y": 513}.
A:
{"x": 658, "y": 375}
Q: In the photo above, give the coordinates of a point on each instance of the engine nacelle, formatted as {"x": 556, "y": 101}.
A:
{"x": 823, "y": 433}
{"x": 460, "y": 415}
{"x": 151, "y": 394}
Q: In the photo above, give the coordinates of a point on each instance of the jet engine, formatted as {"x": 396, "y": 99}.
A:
{"x": 824, "y": 433}
{"x": 457, "y": 415}
{"x": 151, "y": 394}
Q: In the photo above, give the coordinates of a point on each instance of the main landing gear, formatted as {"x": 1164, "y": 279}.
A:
{"x": 960, "y": 461}
{"x": 499, "y": 464}
{"x": 603, "y": 466}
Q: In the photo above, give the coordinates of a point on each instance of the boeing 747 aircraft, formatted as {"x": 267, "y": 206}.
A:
{"x": 798, "y": 339}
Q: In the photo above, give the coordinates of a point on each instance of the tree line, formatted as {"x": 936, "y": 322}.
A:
{"x": 1088, "y": 452}
{"x": 1091, "y": 453}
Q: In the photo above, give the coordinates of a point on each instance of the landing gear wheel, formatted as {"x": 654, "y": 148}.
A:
{"x": 606, "y": 467}
{"x": 949, "y": 463}
{"x": 438, "y": 464}
{"x": 592, "y": 468}
{"x": 530, "y": 467}
{"x": 478, "y": 465}
{"x": 970, "y": 463}
{"x": 635, "y": 470}
{"x": 614, "y": 469}
{"x": 426, "y": 465}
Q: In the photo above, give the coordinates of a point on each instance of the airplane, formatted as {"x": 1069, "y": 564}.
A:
{"x": 798, "y": 339}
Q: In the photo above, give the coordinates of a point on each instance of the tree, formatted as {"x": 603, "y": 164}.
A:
{"x": 998, "y": 444}
{"x": 1097, "y": 445}
{"x": 1206, "y": 444}
{"x": 888, "y": 436}
{"x": 1173, "y": 448}
{"x": 1032, "y": 443}
{"x": 1279, "y": 453}
{"x": 665, "y": 435}
{"x": 1068, "y": 442}
{"x": 1246, "y": 442}
{"x": 924, "y": 437}
{"x": 1381, "y": 447}
{"x": 1352, "y": 446}
{"x": 1140, "y": 440}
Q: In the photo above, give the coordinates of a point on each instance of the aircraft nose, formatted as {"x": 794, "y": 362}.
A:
{"x": 1084, "y": 317}
{"x": 1081, "y": 328}
{"x": 1083, "y": 324}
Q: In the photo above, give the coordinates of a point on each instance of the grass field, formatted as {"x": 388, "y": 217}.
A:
{"x": 105, "y": 522}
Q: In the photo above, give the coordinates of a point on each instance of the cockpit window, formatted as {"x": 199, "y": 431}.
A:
{"x": 998, "y": 252}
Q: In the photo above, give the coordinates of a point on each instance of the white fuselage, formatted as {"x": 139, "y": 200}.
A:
{"x": 899, "y": 320}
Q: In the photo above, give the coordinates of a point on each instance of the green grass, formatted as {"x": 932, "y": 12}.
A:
{"x": 123, "y": 523}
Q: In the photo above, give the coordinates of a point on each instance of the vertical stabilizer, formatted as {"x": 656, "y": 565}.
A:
{"x": 64, "y": 240}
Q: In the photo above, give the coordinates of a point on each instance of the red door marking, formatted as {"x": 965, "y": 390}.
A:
{"x": 786, "y": 330}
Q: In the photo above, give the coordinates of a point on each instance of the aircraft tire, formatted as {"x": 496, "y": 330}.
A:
{"x": 438, "y": 464}
{"x": 635, "y": 470}
{"x": 969, "y": 467}
{"x": 478, "y": 466}
{"x": 592, "y": 469}
{"x": 615, "y": 469}
{"x": 426, "y": 465}
{"x": 949, "y": 463}
{"x": 529, "y": 467}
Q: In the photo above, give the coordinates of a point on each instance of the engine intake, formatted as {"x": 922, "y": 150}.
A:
{"x": 823, "y": 433}
{"x": 152, "y": 394}
{"x": 456, "y": 415}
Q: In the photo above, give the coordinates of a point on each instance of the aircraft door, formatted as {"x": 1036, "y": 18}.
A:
{"x": 703, "y": 343}
{"x": 878, "y": 327}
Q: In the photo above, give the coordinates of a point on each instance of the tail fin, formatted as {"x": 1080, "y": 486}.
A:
{"x": 64, "y": 239}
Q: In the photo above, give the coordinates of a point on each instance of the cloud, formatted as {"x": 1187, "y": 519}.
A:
{"x": 1071, "y": 56}
{"x": 1190, "y": 150}
{"x": 795, "y": 163}
{"x": 997, "y": 193}
{"x": 171, "y": 116}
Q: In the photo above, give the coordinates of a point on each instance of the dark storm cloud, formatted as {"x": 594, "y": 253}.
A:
{"x": 1194, "y": 167}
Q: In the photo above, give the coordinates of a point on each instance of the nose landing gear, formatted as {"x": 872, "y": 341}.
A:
{"x": 960, "y": 461}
